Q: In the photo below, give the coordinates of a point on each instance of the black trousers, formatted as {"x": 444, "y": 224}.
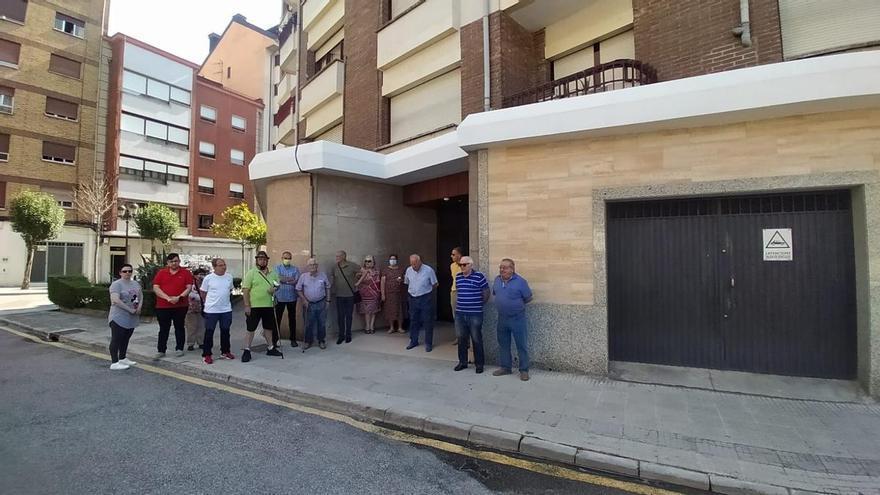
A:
{"x": 291, "y": 317}
{"x": 119, "y": 337}
{"x": 165, "y": 317}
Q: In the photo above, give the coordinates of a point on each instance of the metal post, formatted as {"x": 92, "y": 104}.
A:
{"x": 126, "y": 236}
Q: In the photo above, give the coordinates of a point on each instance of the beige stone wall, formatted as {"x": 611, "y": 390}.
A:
{"x": 541, "y": 196}
{"x": 288, "y": 216}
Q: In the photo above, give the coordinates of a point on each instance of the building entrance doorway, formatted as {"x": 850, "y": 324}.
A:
{"x": 452, "y": 232}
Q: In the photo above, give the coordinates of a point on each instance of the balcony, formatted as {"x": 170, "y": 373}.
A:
{"x": 323, "y": 86}
{"x": 321, "y": 19}
{"x": 286, "y": 87}
{"x": 622, "y": 73}
{"x": 428, "y": 22}
{"x": 289, "y": 48}
{"x": 284, "y": 121}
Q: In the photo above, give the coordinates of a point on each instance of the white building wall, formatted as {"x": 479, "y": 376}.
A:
{"x": 171, "y": 113}
{"x": 13, "y": 255}
{"x": 158, "y": 67}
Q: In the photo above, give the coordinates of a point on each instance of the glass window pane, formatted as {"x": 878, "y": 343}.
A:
{"x": 134, "y": 82}
{"x": 129, "y": 162}
{"x": 179, "y": 136}
{"x": 239, "y": 122}
{"x": 180, "y": 95}
{"x": 206, "y": 148}
{"x": 74, "y": 260}
{"x": 237, "y": 157}
{"x": 208, "y": 113}
{"x": 131, "y": 123}
{"x": 157, "y": 89}
{"x": 157, "y": 130}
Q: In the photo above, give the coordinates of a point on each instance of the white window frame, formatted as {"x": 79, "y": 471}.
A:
{"x": 203, "y": 147}
{"x": 76, "y": 30}
{"x": 244, "y": 125}
{"x": 7, "y": 108}
{"x": 66, "y": 204}
{"x": 233, "y": 159}
{"x": 4, "y": 157}
{"x": 55, "y": 159}
{"x": 209, "y": 109}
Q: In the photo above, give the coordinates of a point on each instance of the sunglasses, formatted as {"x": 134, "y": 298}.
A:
{"x": 464, "y": 264}
{"x": 125, "y": 271}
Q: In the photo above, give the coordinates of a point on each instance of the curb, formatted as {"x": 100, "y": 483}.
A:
{"x": 446, "y": 429}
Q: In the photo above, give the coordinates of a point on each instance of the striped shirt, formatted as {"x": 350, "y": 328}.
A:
{"x": 470, "y": 292}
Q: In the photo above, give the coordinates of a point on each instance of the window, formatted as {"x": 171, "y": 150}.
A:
{"x": 236, "y": 190}
{"x": 65, "y": 203}
{"x": 59, "y": 153}
{"x": 61, "y": 109}
{"x": 64, "y": 66}
{"x": 135, "y": 83}
{"x": 206, "y": 185}
{"x": 132, "y": 123}
{"x": 208, "y": 113}
{"x": 9, "y": 52}
{"x": 335, "y": 53}
{"x": 158, "y": 89}
{"x": 143, "y": 85}
{"x": 277, "y": 61}
{"x": 206, "y": 149}
{"x": 4, "y": 147}
{"x": 229, "y": 73}
{"x": 239, "y": 123}
{"x": 236, "y": 157}
{"x": 155, "y": 129}
{"x": 13, "y": 10}
{"x": 180, "y": 95}
{"x": 178, "y": 135}
{"x": 152, "y": 171}
{"x": 70, "y": 25}
{"x": 7, "y": 99}
{"x": 181, "y": 215}
{"x": 2, "y": 195}
{"x": 205, "y": 222}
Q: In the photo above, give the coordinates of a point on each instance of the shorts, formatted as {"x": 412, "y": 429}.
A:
{"x": 267, "y": 315}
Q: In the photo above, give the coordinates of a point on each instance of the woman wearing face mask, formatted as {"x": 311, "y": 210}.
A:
{"x": 125, "y": 309}
{"x": 392, "y": 288}
{"x": 195, "y": 322}
{"x": 368, "y": 284}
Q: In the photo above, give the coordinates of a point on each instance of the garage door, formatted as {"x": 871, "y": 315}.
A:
{"x": 763, "y": 284}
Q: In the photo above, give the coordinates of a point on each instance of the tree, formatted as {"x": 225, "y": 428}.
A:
{"x": 94, "y": 200}
{"x": 240, "y": 223}
{"x": 157, "y": 223}
{"x": 38, "y": 218}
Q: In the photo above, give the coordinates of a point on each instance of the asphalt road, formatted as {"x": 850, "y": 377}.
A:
{"x": 69, "y": 425}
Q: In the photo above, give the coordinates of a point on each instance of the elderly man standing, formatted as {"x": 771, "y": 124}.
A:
{"x": 421, "y": 281}
{"x": 285, "y": 296}
{"x": 512, "y": 293}
{"x": 473, "y": 292}
{"x": 344, "y": 276}
{"x": 258, "y": 288}
{"x": 216, "y": 291}
{"x": 314, "y": 289}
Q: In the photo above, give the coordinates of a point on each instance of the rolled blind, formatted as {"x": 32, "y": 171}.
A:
{"x": 4, "y": 143}
{"x": 62, "y": 108}
{"x": 57, "y": 150}
{"x": 816, "y": 26}
{"x": 13, "y": 9}
{"x": 64, "y": 66}
{"x": 9, "y": 51}
{"x": 6, "y": 91}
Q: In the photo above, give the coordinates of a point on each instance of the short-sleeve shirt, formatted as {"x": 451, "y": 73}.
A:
{"x": 259, "y": 285}
{"x": 510, "y": 296}
{"x": 470, "y": 292}
{"x": 173, "y": 284}
{"x": 218, "y": 289}
{"x": 313, "y": 287}
{"x": 287, "y": 291}
{"x": 129, "y": 293}
{"x": 340, "y": 286}
{"x": 420, "y": 282}
{"x": 455, "y": 269}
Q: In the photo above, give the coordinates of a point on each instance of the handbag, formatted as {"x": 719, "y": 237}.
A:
{"x": 354, "y": 293}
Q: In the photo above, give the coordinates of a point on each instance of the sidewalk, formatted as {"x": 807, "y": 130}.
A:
{"x": 727, "y": 443}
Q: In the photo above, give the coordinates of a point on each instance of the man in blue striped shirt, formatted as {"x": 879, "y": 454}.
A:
{"x": 472, "y": 290}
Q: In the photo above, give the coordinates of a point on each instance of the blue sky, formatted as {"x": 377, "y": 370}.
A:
{"x": 182, "y": 26}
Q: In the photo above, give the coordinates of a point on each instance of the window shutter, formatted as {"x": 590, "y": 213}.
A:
{"x": 64, "y": 66}
{"x": 57, "y": 150}
{"x": 4, "y": 143}
{"x": 9, "y": 51}
{"x": 62, "y": 108}
{"x": 6, "y": 91}
{"x": 13, "y": 9}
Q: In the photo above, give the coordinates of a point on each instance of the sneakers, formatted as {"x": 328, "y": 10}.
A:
{"x": 411, "y": 345}
{"x": 307, "y": 346}
{"x": 118, "y": 366}
{"x": 180, "y": 353}
{"x": 191, "y": 347}
{"x": 322, "y": 345}
{"x": 274, "y": 352}
{"x": 501, "y": 372}
{"x": 479, "y": 369}
{"x": 127, "y": 362}
{"x": 459, "y": 367}
{"x": 348, "y": 340}
{"x": 293, "y": 343}
{"x": 340, "y": 340}
{"x": 246, "y": 356}
{"x": 228, "y": 355}
{"x": 429, "y": 348}
{"x": 159, "y": 355}
{"x": 209, "y": 359}
{"x": 524, "y": 376}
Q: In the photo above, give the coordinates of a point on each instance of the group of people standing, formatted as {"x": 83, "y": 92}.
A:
{"x": 194, "y": 303}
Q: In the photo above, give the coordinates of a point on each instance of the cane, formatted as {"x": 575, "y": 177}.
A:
{"x": 275, "y": 317}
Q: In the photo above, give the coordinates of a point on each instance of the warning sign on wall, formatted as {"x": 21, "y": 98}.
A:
{"x": 777, "y": 245}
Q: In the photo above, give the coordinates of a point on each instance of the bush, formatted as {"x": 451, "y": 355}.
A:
{"x": 73, "y": 292}
{"x": 64, "y": 290}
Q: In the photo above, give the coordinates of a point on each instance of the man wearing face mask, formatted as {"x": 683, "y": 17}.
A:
{"x": 285, "y": 296}
{"x": 258, "y": 288}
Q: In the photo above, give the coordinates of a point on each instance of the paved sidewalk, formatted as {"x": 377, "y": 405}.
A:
{"x": 729, "y": 443}
{"x": 15, "y": 300}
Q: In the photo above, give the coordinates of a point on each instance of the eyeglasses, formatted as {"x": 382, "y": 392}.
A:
{"x": 125, "y": 271}
{"x": 174, "y": 261}
{"x": 465, "y": 264}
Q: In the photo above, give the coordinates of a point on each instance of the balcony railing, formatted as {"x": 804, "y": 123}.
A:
{"x": 622, "y": 73}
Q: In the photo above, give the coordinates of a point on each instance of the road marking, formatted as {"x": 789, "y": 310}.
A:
{"x": 533, "y": 466}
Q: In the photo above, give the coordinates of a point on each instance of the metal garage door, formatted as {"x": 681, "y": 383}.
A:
{"x": 763, "y": 284}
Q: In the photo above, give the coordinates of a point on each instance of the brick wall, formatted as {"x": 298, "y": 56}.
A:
{"x": 684, "y": 39}
{"x": 361, "y": 101}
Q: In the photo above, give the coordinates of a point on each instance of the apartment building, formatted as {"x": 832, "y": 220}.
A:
{"x": 49, "y": 57}
{"x": 166, "y": 126}
{"x": 683, "y": 183}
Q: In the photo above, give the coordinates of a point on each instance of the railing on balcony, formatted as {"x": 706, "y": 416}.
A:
{"x": 622, "y": 73}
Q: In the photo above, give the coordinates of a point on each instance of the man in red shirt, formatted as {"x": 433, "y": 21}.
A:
{"x": 172, "y": 285}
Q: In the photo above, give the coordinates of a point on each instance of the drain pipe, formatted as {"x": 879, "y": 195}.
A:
{"x": 487, "y": 94}
{"x": 744, "y": 29}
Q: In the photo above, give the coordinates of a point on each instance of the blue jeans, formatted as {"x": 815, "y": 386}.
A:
{"x": 344, "y": 313}
{"x": 516, "y": 326}
{"x": 316, "y": 321}
{"x": 421, "y": 317}
{"x": 211, "y": 320}
{"x": 470, "y": 325}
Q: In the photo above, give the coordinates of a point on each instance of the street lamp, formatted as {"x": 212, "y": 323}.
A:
{"x": 127, "y": 211}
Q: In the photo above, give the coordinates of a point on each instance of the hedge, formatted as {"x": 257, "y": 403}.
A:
{"x": 76, "y": 292}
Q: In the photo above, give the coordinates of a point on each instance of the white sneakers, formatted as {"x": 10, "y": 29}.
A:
{"x": 127, "y": 361}
{"x": 119, "y": 366}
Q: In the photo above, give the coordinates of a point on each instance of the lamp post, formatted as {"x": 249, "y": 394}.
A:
{"x": 127, "y": 211}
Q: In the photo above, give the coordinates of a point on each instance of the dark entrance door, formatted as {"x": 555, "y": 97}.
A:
{"x": 452, "y": 231}
{"x": 688, "y": 284}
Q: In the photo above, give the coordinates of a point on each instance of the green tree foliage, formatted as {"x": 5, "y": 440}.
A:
{"x": 38, "y": 218}
{"x": 157, "y": 223}
{"x": 240, "y": 223}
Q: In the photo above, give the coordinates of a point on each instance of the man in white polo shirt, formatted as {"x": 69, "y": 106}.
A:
{"x": 421, "y": 281}
{"x": 216, "y": 291}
